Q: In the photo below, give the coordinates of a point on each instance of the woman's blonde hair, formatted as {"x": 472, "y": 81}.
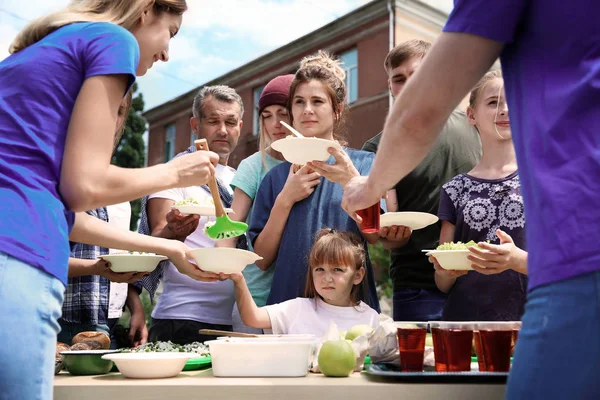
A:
{"x": 487, "y": 78}
{"x": 126, "y": 13}
{"x": 324, "y": 68}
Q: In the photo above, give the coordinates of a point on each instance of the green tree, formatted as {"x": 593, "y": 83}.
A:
{"x": 131, "y": 150}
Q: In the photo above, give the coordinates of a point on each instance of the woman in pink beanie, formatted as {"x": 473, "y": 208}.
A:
{"x": 272, "y": 108}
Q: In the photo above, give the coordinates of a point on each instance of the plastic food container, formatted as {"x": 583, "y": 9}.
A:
{"x": 245, "y": 357}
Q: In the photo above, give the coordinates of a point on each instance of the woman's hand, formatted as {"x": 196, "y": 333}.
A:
{"x": 446, "y": 273}
{"x": 341, "y": 171}
{"x": 194, "y": 169}
{"x": 299, "y": 185}
{"x": 177, "y": 253}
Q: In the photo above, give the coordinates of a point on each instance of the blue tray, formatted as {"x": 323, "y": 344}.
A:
{"x": 392, "y": 373}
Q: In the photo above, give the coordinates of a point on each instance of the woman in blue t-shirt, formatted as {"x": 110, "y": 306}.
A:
{"x": 291, "y": 205}
{"x": 60, "y": 90}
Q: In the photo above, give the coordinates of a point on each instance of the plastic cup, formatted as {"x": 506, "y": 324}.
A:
{"x": 411, "y": 343}
{"x": 370, "y": 219}
{"x": 494, "y": 343}
{"x": 452, "y": 344}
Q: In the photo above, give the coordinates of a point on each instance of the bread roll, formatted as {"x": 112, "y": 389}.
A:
{"x": 89, "y": 337}
{"x": 61, "y": 347}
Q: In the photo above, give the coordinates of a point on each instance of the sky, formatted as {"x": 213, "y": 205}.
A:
{"x": 216, "y": 36}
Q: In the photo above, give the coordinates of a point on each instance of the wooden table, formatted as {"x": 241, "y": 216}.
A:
{"x": 203, "y": 385}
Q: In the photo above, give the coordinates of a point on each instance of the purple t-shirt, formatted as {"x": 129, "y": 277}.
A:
{"x": 551, "y": 65}
{"x": 38, "y": 89}
{"x": 477, "y": 208}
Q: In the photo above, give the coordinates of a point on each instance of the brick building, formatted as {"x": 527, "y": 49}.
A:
{"x": 361, "y": 39}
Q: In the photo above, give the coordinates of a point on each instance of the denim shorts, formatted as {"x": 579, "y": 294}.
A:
{"x": 31, "y": 303}
{"x": 558, "y": 350}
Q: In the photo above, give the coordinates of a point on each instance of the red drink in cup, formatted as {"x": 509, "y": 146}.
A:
{"x": 411, "y": 343}
{"x": 452, "y": 343}
{"x": 494, "y": 342}
{"x": 370, "y": 219}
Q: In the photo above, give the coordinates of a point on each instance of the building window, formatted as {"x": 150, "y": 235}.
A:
{"x": 349, "y": 61}
{"x": 193, "y": 137}
{"x": 257, "y": 93}
{"x": 170, "y": 142}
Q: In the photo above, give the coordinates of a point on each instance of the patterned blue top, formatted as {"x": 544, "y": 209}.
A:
{"x": 477, "y": 208}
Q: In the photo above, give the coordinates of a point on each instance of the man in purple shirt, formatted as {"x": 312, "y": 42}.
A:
{"x": 550, "y": 53}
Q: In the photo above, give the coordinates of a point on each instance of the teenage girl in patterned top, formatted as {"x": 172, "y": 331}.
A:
{"x": 486, "y": 205}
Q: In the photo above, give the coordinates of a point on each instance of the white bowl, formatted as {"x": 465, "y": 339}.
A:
{"x": 302, "y": 150}
{"x": 411, "y": 219}
{"x": 260, "y": 357}
{"x": 133, "y": 262}
{"x": 150, "y": 365}
{"x": 204, "y": 210}
{"x": 280, "y": 338}
{"x": 451, "y": 259}
{"x": 223, "y": 259}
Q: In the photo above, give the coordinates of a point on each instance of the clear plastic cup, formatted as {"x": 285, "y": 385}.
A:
{"x": 411, "y": 343}
{"x": 494, "y": 344}
{"x": 452, "y": 344}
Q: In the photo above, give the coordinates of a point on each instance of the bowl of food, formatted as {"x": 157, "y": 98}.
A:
{"x": 87, "y": 362}
{"x": 133, "y": 261}
{"x": 201, "y": 360}
{"x": 150, "y": 365}
{"x": 305, "y": 149}
{"x": 222, "y": 259}
{"x": 191, "y": 205}
{"x": 452, "y": 256}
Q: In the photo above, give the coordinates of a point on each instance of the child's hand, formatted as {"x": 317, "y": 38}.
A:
{"x": 492, "y": 259}
{"x": 446, "y": 273}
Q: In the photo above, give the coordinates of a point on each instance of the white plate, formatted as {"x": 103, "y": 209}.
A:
{"x": 451, "y": 259}
{"x": 204, "y": 210}
{"x": 412, "y": 219}
{"x": 150, "y": 365}
{"x": 223, "y": 259}
{"x": 133, "y": 262}
{"x": 302, "y": 150}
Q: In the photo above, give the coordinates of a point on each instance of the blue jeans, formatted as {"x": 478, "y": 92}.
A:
{"x": 418, "y": 304}
{"x": 558, "y": 350}
{"x": 30, "y": 305}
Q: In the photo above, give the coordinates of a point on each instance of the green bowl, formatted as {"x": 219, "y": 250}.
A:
{"x": 87, "y": 362}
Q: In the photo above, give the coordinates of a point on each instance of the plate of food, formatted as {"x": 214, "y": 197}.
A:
{"x": 411, "y": 219}
{"x": 133, "y": 261}
{"x": 452, "y": 256}
{"x": 302, "y": 150}
{"x": 190, "y": 206}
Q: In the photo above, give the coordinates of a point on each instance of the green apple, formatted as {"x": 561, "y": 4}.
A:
{"x": 337, "y": 358}
{"x": 357, "y": 330}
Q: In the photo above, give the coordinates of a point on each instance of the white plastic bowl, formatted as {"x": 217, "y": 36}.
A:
{"x": 222, "y": 259}
{"x": 243, "y": 357}
{"x": 452, "y": 259}
{"x": 150, "y": 365}
{"x": 302, "y": 150}
{"x": 133, "y": 262}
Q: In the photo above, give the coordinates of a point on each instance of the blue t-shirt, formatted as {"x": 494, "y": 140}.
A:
{"x": 551, "y": 66}
{"x": 322, "y": 209}
{"x": 38, "y": 89}
{"x": 477, "y": 208}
